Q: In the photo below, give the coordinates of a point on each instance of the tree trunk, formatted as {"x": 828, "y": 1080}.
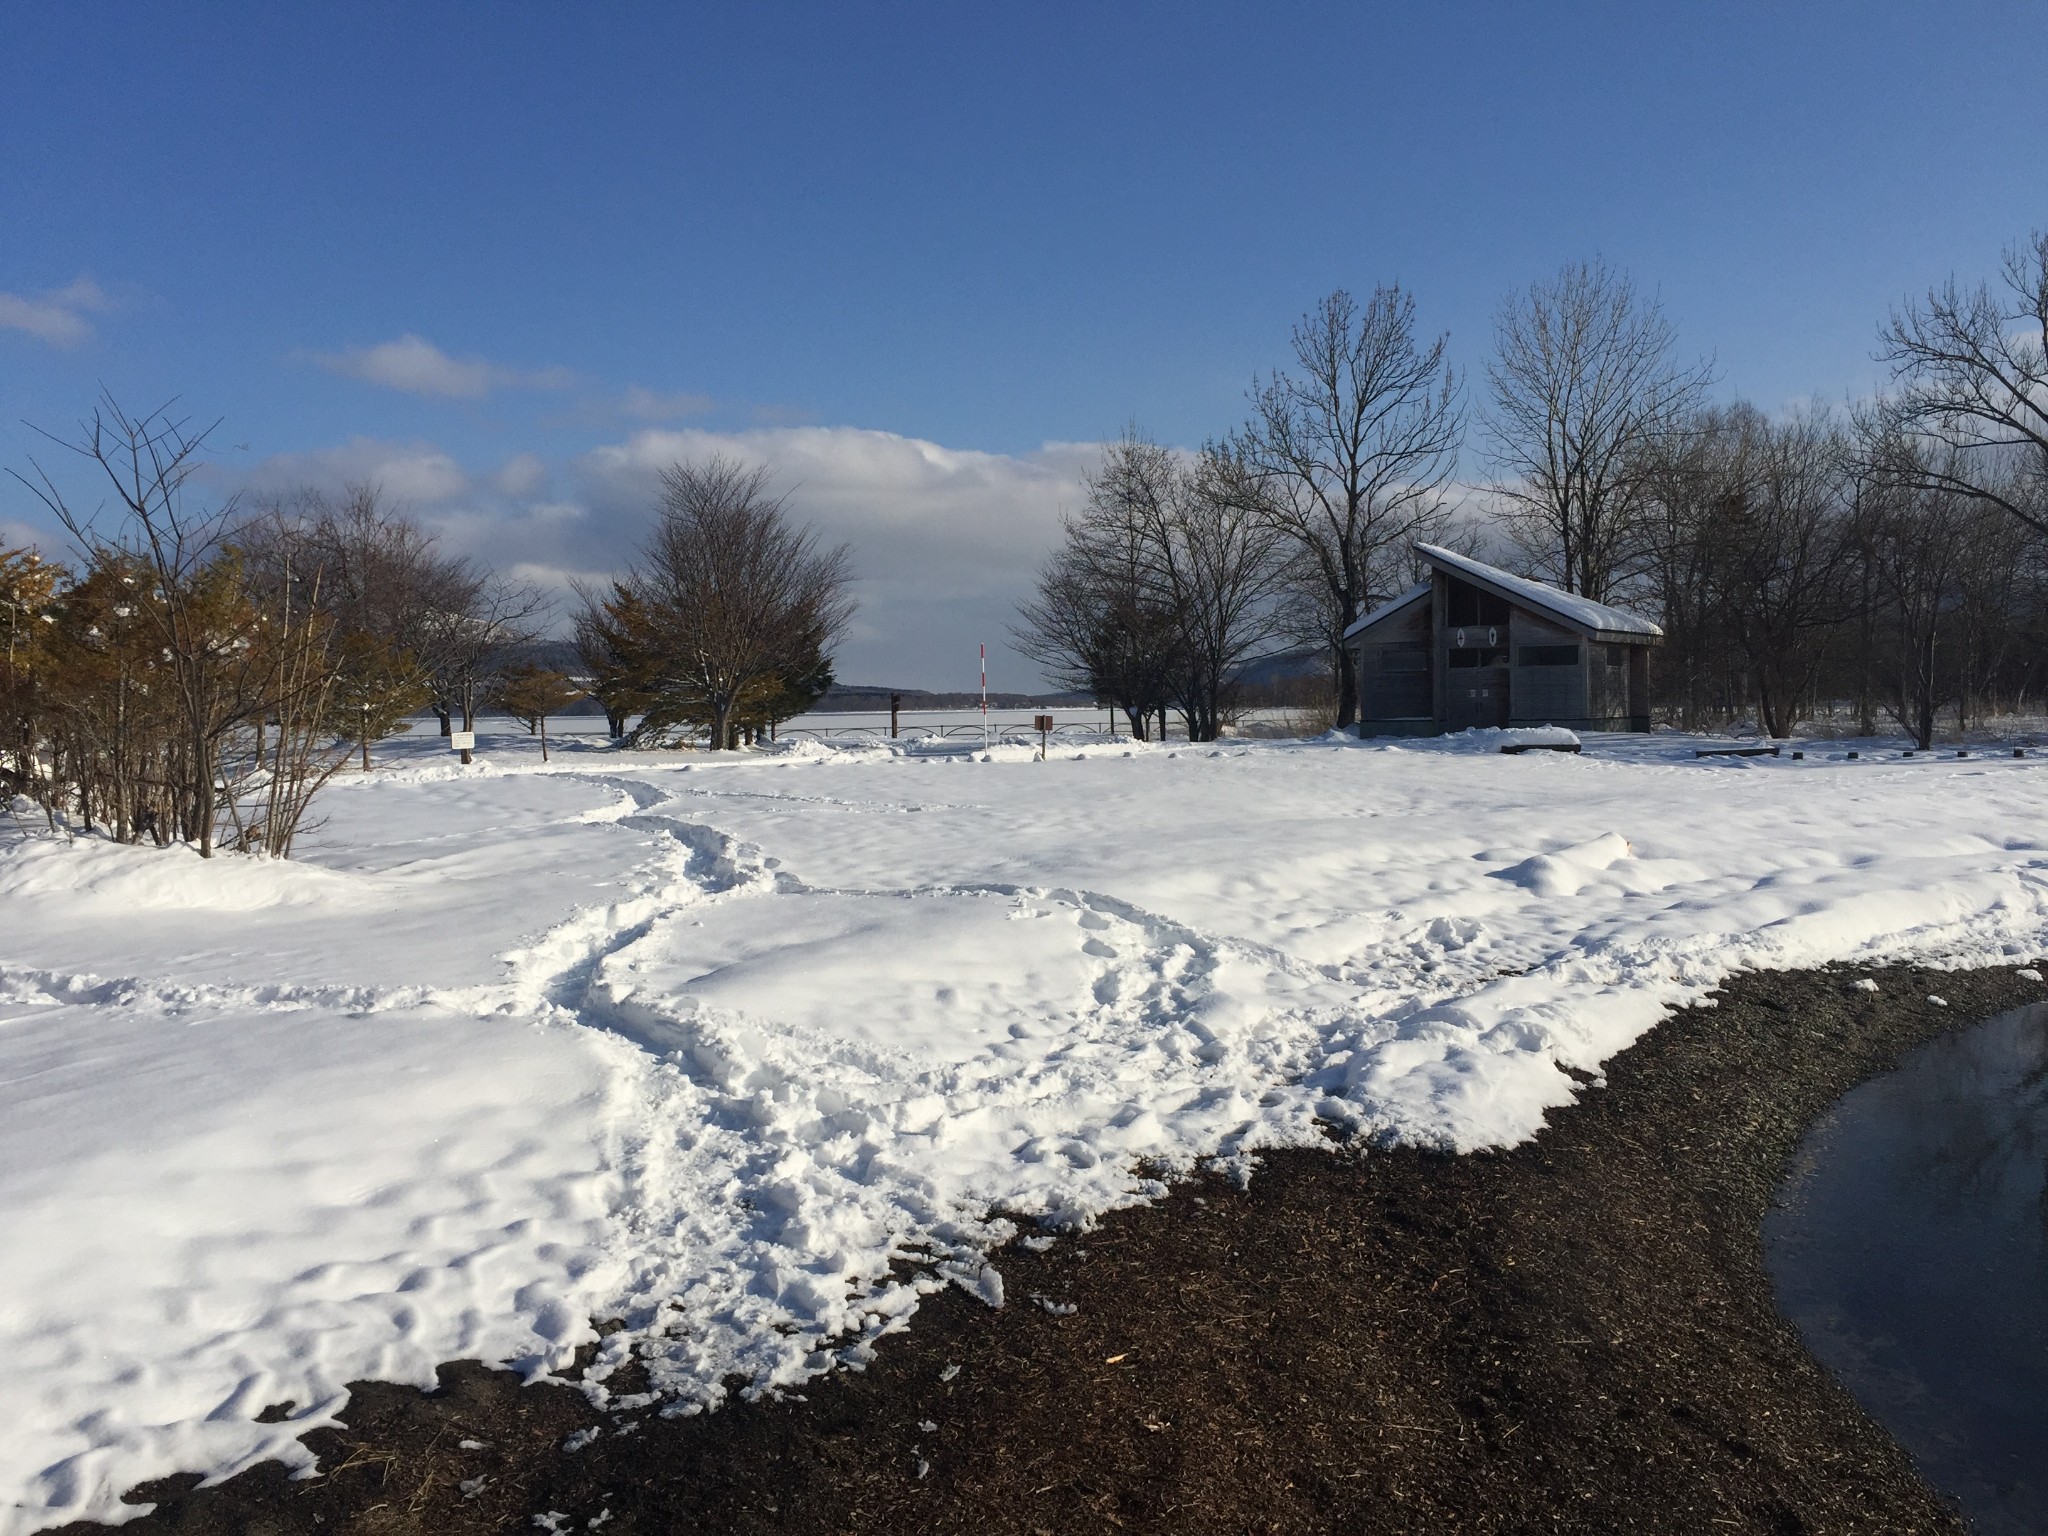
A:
{"x": 1347, "y": 686}
{"x": 1924, "y": 733}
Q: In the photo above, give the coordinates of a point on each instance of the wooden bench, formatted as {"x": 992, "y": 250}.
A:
{"x": 1517, "y": 748}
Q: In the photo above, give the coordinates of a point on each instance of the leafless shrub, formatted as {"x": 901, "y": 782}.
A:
{"x": 177, "y": 697}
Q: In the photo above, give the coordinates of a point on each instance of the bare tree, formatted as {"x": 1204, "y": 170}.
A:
{"x": 478, "y": 619}
{"x": 1783, "y": 550}
{"x": 1686, "y": 480}
{"x": 1584, "y": 386}
{"x": 1352, "y": 453}
{"x": 421, "y": 626}
{"x": 1971, "y": 369}
{"x": 1095, "y": 624}
{"x": 732, "y": 606}
{"x": 1920, "y": 541}
{"x": 1163, "y": 587}
{"x": 1218, "y": 568}
{"x": 1098, "y": 619}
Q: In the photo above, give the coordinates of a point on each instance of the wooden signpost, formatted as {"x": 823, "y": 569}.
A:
{"x": 1043, "y": 725}
{"x": 463, "y": 742}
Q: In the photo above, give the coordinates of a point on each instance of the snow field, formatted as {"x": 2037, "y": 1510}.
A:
{"x": 703, "y": 1045}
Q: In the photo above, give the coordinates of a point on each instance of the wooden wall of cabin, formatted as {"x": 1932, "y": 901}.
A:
{"x": 1394, "y": 677}
{"x": 1607, "y": 685}
{"x": 1547, "y": 681}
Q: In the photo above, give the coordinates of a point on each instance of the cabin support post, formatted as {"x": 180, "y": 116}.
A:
{"x": 1439, "y": 661}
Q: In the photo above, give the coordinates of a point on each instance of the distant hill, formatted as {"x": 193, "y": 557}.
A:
{"x": 1312, "y": 661}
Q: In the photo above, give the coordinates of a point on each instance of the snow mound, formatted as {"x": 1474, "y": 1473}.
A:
{"x": 106, "y": 876}
{"x": 1569, "y": 870}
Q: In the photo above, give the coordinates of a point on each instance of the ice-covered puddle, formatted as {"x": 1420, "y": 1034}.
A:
{"x": 708, "y": 1045}
{"x": 1910, "y": 1247}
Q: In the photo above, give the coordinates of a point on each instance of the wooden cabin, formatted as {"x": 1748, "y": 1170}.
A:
{"x": 1476, "y": 646}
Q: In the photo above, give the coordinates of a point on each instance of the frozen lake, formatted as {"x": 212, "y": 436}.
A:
{"x": 1910, "y": 1247}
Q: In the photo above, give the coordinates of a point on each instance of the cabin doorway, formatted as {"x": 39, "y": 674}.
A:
{"x": 1479, "y": 687}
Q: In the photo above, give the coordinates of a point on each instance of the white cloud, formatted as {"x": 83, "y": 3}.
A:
{"x": 56, "y": 316}
{"x": 945, "y": 542}
{"x": 418, "y": 475}
{"x": 944, "y": 520}
{"x": 418, "y": 367}
{"x": 521, "y": 475}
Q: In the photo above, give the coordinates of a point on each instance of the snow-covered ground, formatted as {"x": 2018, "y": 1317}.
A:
{"x": 703, "y": 1043}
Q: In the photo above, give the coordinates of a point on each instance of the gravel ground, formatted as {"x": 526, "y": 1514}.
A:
{"x": 1573, "y": 1336}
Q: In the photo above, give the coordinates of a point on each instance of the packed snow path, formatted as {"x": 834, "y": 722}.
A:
{"x": 704, "y": 1045}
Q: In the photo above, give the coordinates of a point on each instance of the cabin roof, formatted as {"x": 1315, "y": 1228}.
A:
{"x": 1389, "y": 608}
{"x": 1594, "y": 620}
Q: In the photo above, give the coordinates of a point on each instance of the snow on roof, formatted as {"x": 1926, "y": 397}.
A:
{"x": 1390, "y": 607}
{"x": 1580, "y": 612}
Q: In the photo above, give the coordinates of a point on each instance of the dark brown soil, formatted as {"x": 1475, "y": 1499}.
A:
{"x": 1574, "y": 1336}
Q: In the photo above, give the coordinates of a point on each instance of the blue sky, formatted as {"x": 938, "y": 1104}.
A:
{"x": 506, "y": 259}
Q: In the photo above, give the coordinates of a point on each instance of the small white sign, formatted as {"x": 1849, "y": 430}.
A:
{"x": 462, "y": 741}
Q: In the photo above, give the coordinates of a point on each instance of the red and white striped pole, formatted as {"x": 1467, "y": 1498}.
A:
{"x": 984, "y": 696}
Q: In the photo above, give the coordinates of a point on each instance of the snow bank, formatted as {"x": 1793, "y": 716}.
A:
{"x": 108, "y": 878}
{"x": 705, "y": 1045}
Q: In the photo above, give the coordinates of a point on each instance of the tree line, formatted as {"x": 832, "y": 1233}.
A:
{"x": 203, "y": 667}
{"x": 1885, "y": 559}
